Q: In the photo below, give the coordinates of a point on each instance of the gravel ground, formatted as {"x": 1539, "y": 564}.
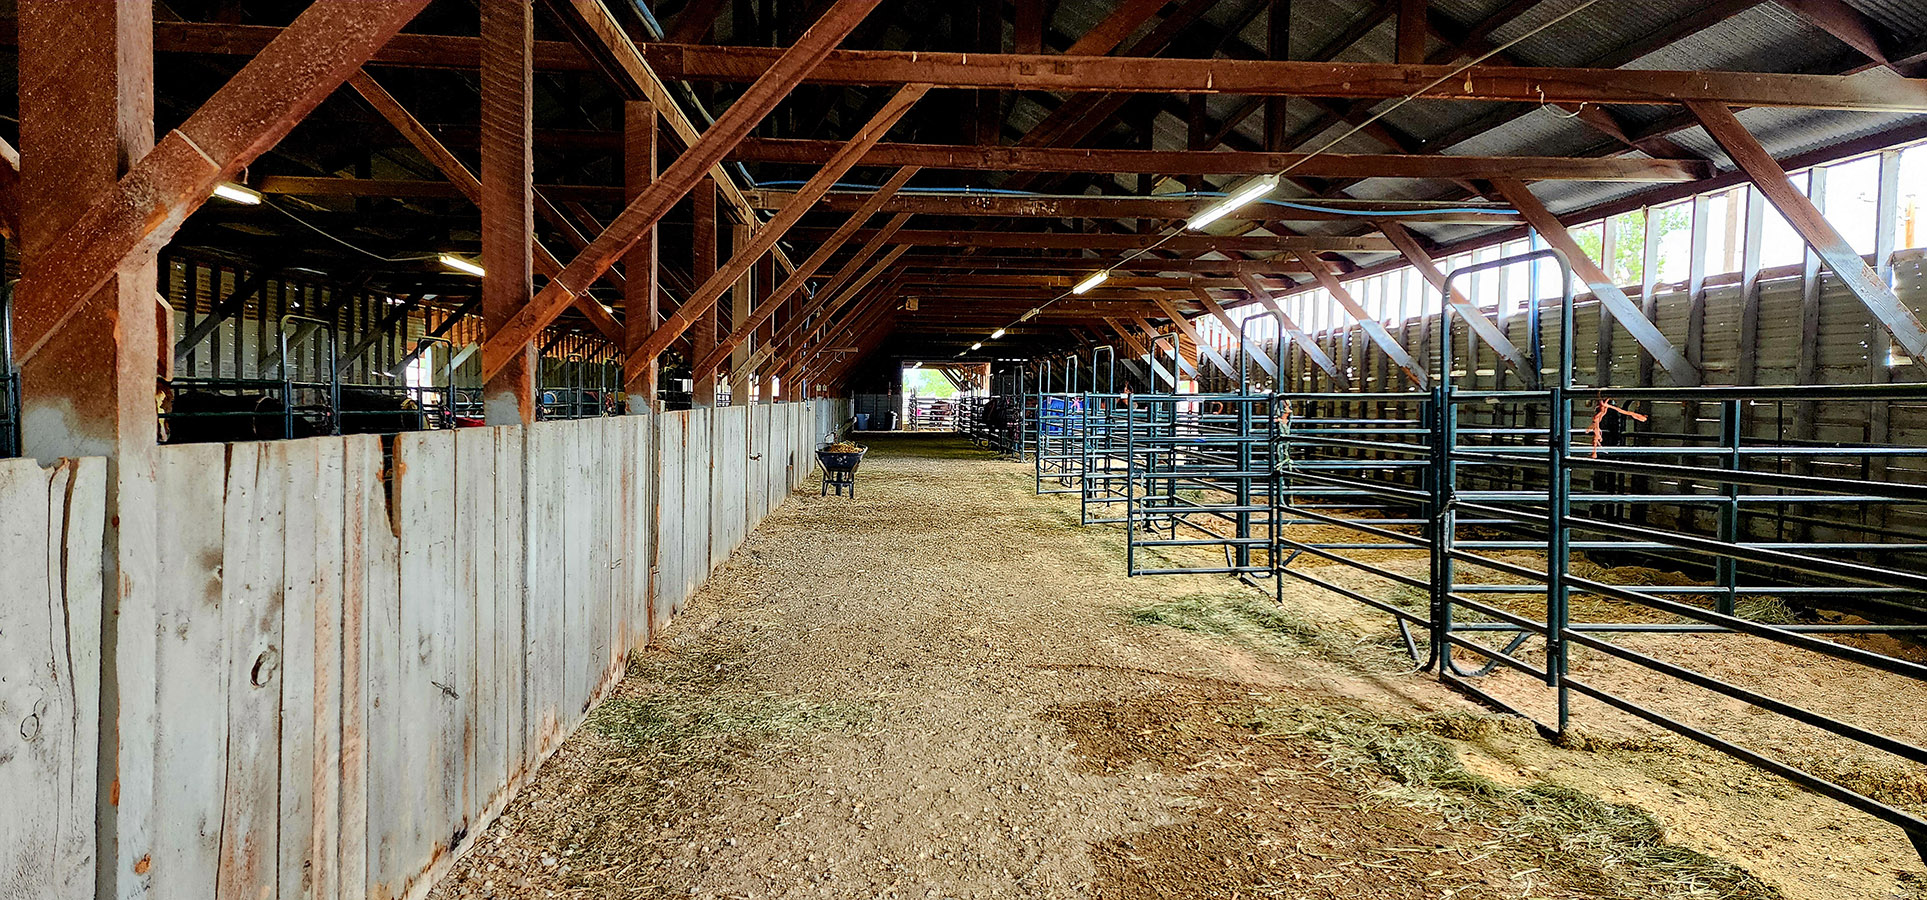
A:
{"x": 946, "y": 688}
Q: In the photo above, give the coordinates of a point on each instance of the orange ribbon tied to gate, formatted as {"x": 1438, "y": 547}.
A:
{"x": 1600, "y": 408}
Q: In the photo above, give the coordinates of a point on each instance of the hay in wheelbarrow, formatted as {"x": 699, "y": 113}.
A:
{"x": 839, "y": 466}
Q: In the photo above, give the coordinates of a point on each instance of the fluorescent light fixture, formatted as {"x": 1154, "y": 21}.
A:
{"x": 997, "y": 334}
{"x": 977, "y": 346}
{"x": 1097, "y": 278}
{"x": 230, "y": 191}
{"x": 1252, "y": 190}
{"x": 1034, "y": 313}
{"x": 461, "y": 265}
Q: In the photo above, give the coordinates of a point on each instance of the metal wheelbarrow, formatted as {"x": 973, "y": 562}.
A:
{"x": 839, "y": 471}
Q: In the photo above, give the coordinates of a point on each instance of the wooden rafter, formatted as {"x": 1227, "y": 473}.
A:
{"x": 1290, "y": 78}
{"x": 1623, "y": 309}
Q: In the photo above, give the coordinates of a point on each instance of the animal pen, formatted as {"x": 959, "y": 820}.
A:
{"x": 380, "y": 378}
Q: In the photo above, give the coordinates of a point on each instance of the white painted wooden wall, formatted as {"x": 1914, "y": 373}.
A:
{"x": 357, "y": 664}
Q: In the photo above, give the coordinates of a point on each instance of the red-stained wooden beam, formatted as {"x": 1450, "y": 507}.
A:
{"x": 248, "y": 115}
{"x": 1623, "y": 309}
{"x": 772, "y": 231}
{"x": 707, "y": 233}
{"x": 1807, "y": 221}
{"x": 817, "y": 259}
{"x": 1291, "y": 78}
{"x": 1412, "y": 31}
{"x": 505, "y": 192}
{"x": 642, "y": 267}
{"x": 775, "y": 82}
{"x": 998, "y": 158}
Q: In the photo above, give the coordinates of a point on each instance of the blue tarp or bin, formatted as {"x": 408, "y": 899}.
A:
{"x": 863, "y": 421}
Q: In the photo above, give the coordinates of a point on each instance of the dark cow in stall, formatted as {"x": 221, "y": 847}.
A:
{"x": 198, "y": 415}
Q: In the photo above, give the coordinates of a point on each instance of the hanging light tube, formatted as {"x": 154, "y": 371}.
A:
{"x": 1252, "y": 190}
{"x": 461, "y": 265}
{"x": 997, "y": 334}
{"x": 1095, "y": 279}
{"x": 228, "y": 190}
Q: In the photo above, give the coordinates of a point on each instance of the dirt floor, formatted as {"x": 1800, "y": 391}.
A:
{"x": 946, "y": 688}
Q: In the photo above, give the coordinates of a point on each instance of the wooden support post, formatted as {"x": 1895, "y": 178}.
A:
{"x": 1412, "y": 31}
{"x": 702, "y": 328}
{"x": 1808, "y": 222}
{"x": 1610, "y": 297}
{"x": 507, "y": 199}
{"x": 641, "y": 266}
{"x": 743, "y": 302}
{"x": 86, "y": 108}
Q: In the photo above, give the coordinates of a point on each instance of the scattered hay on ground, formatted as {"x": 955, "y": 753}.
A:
{"x": 1574, "y": 839}
{"x": 1259, "y": 624}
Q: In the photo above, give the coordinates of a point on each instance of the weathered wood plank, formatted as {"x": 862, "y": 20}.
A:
{"x": 49, "y": 675}
{"x": 698, "y": 516}
{"x": 666, "y": 582}
{"x": 364, "y": 531}
{"x": 296, "y": 466}
{"x": 484, "y": 769}
{"x": 251, "y": 596}
{"x": 190, "y": 748}
{"x": 511, "y": 574}
{"x": 544, "y": 639}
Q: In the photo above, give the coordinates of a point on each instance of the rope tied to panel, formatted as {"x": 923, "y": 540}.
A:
{"x": 1600, "y": 408}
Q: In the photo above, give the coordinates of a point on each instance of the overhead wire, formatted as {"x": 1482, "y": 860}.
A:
{"x": 1355, "y": 129}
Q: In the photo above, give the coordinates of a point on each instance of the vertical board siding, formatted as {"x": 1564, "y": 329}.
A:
{"x": 51, "y": 522}
{"x": 361, "y": 653}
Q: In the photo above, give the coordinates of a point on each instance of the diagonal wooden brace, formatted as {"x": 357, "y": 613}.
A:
{"x": 704, "y": 299}
{"x": 809, "y": 267}
{"x": 1373, "y": 328}
{"x": 635, "y": 220}
{"x": 248, "y": 115}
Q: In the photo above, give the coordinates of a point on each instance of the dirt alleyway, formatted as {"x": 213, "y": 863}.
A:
{"x": 947, "y": 688}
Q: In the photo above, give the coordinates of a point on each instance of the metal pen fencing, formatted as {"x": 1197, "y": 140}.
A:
{"x": 1547, "y": 550}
